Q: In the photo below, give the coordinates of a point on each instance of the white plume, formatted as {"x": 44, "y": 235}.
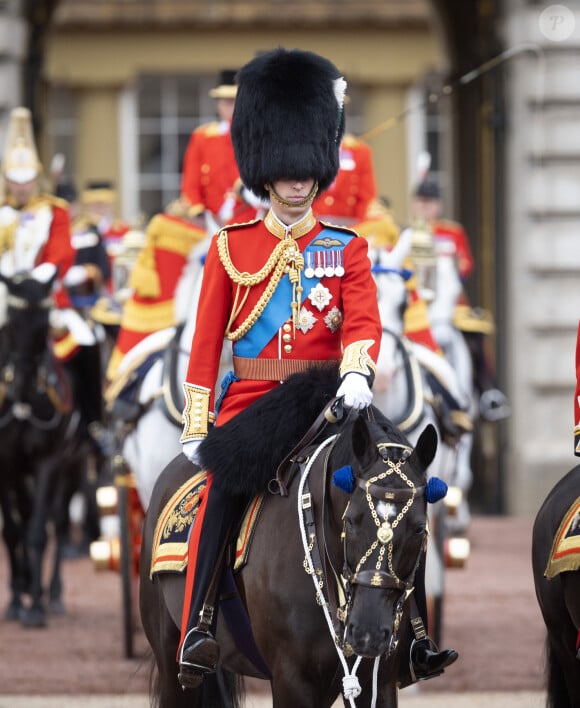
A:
{"x": 423, "y": 165}
{"x": 339, "y": 87}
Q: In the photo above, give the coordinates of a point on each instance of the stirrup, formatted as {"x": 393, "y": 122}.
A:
{"x": 432, "y": 647}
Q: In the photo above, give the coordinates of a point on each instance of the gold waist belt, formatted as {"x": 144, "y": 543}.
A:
{"x": 271, "y": 369}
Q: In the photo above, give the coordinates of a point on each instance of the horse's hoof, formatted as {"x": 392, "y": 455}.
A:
{"x": 33, "y": 618}
{"x": 56, "y": 607}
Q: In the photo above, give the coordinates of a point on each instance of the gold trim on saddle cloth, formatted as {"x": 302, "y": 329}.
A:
{"x": 171, "y": 537}
{"x": 565, "y": 553}
{"x": 170, "y": 540}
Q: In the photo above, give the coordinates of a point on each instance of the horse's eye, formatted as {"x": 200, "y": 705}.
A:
{"x": 420, "y": 529}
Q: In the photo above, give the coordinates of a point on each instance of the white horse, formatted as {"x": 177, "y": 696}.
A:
{"x": 402, "y": 391}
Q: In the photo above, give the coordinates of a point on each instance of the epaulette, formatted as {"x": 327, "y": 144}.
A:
{"x": 449, "y": 223}
{"x": 350, "y": 140}
{"x": 338, "y": 227}
{"x": 51, "y": 199}
{"x": 240, "y": 225}
{"x": 210, "y": 129}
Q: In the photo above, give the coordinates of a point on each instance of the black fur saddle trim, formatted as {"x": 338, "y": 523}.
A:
{"x": 244, "y": 453}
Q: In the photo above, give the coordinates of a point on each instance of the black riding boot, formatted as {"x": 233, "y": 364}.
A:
{"x": 426, "y": 659}
{"x": 200, "y": 651}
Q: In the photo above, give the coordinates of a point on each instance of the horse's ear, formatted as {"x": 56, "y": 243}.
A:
{"x": 426, "y": 447}
{"x": 362, "y": 443}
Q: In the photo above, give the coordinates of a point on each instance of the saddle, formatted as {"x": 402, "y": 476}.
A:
{"x": 123, "y": 394}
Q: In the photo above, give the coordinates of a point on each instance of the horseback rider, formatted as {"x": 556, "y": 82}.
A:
{"x": 210, "y": 183}
{"x": 289, "y": 291}
{"x": 476, "y": 325}
{"x": 35, "y": 237}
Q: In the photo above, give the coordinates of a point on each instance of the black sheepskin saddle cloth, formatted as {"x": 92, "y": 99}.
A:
{"x": 244, "y": 453}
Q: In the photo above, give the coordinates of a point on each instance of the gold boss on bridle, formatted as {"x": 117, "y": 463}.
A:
{"x": 385, "y": 529}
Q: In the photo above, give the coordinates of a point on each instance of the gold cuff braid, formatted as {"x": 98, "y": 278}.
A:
{"x": 196, "y": 415}
{"x": 356, "y": 358}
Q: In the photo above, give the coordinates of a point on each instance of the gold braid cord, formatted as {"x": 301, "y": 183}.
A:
{"x": 196, "y": 415}
{"x": 356, "y": 358}
{"x": 285, "y": 256}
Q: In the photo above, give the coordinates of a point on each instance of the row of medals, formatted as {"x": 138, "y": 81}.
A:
{"x": 323, "y": 263}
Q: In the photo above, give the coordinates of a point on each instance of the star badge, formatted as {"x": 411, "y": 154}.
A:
{"x": 333, "y": 319}
{"x": 306, "y": 320}
{"x": 320, "y": 297}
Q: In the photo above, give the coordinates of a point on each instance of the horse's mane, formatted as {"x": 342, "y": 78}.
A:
{"x": 244, "y": 453}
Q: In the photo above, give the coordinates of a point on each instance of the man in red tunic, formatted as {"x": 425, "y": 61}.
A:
{"x": 288, "y": 291}
{"x": 476, "y": 324}
{"x": 35, "y": 237}
{"x": 210, "y": 182}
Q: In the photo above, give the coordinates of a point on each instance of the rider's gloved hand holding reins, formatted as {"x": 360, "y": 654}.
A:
{"x": 356, "y": 391}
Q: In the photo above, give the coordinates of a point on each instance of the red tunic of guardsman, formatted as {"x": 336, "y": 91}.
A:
{"x": 276, "y": 331}
{"x": 451, "y": 239}
{"x": 210, "y": 181}
{"x": 354, "y": 188}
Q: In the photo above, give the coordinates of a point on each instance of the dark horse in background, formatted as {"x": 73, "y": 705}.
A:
{"x": 559, "y": 596}
{"x": 362, "y": 515}
{"x": 38, "y": 448}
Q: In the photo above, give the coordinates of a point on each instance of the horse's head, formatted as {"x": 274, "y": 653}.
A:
{"x": 384, "y": 532}
{"x": 25, "y": 334}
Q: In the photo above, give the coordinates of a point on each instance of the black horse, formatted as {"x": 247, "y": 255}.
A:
{"x": 39, "y": 449}
{"x": 559, "y": 594}
{"x": 327, "y": 581}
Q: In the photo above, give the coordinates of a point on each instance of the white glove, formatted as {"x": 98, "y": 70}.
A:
{"x": 75, "y": 275}
{"x": 190, "y": 448}
{"x": 356, "y": 391}
{"x": 43, "y": 272}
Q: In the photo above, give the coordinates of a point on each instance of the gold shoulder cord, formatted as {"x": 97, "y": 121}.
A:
{"x": 284, "y": 252}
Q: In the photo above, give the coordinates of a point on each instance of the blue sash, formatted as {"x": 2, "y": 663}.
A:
{"x": 278, "y": 309}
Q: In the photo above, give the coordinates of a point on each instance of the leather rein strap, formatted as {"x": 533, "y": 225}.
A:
{"x": 331, "y": 413}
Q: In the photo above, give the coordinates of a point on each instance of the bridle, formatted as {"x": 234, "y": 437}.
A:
{"x": 384, "y": 575}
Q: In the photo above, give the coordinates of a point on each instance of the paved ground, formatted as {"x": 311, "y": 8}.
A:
{"x": 441, "y": 700}
{"x": 491, "y": 617}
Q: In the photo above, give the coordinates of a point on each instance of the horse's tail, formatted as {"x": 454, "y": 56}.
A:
{"x": 223, "y": 690}
{"x": 557, "y": 693}
{"x": 220, "y": 690}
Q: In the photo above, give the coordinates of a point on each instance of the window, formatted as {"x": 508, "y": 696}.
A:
{"x": 168, "y": 109}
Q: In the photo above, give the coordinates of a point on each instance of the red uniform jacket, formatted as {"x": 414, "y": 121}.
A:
{"x": 335, "y": 312}
{"x": 451, "y": 235}
{"x": 354, "y": 188}
{"x": 210, "y": 172}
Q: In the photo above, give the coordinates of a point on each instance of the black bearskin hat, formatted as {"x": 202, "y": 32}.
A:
{"x": 288, "y": 119}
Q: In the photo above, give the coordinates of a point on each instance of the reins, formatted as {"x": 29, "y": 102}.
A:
{"x": 315, "y": 562}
